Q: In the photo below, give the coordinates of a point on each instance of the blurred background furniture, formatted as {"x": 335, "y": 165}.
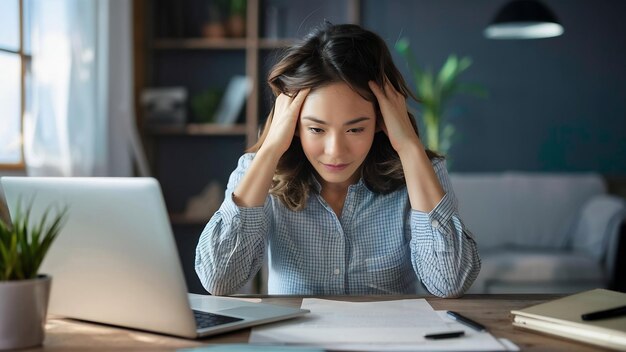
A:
{"x": 542, "y": 232}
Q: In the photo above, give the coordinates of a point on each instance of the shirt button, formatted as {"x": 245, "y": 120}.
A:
{"x": 337, "y": 271}
{"x": 435, "y": 224}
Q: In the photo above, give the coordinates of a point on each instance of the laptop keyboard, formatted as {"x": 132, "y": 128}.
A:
{"x": 206, "y": 320}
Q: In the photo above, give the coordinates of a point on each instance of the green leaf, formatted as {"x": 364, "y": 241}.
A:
{"x": 49, "y": 237}
{"x": 402, "y": 45}
{"x": 403, "y": 48}
{"x": 447, "y": 132}
{"x": 448, "y": 71}
{"x": 426, "y": 88}
{"x": 464, "y": 64}
{"x": 5, "y": 255}
{"x": 24, "y": 245}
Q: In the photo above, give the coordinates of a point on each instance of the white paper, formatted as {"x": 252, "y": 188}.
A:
{"x": 381, "y": 326}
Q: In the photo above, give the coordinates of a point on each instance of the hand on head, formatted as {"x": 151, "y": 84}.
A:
{"x": 284, "y": 121}
{"x": 396, "y": 120}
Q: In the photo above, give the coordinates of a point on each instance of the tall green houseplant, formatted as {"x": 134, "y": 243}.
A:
{"x": 434, "y": 90}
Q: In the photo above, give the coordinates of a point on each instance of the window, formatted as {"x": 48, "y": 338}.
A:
{"x": 15, "y": 62}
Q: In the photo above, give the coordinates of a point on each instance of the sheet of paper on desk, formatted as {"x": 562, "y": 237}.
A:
{"x": 382, "y": 326}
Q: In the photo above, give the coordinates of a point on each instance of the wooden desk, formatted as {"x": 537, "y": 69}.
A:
{"x": 491, "y": 310}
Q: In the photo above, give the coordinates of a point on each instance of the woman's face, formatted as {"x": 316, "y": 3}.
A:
{"x": 336, "y": 129}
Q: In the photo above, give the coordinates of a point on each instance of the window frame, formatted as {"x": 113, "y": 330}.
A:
{"x": 25, "y": 60}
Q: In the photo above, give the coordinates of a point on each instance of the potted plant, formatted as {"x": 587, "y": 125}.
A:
{"x": 204, "y": 105}
{"x": 434, "y": 91}
{"x": 214, "y": 26}
{"x": 237, "y": 18}
{"x": 23, "y": 292}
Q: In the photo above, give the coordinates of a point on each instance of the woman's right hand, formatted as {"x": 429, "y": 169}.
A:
{"x": 254, "y": 187}
{"x": 284, "y": 122}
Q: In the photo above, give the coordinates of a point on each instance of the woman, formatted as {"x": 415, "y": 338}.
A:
{"x": 339, "y": 185}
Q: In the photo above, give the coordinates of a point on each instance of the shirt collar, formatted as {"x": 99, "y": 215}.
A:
{"x": 317, "y": 186}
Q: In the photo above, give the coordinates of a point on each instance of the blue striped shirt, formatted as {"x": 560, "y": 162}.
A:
{"x": 378, "y": 245}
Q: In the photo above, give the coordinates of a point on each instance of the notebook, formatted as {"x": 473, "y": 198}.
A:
{"x": 562, "y": 317}
{"x": 115, "y": 260}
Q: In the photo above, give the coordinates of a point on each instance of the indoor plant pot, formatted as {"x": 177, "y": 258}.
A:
{"x": 23, "y": 305}
{"x": 23, "y": 293}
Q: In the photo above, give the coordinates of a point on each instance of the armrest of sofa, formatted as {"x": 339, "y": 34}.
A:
{"x": 618, "y": 281}
{"x": 598, "y": 228}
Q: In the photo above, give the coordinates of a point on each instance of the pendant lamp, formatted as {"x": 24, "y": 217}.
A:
{"x": 524, "y": 19}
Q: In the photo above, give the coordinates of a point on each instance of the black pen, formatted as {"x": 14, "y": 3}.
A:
{"x": 467, "y": 321}
{"x": 444, "y": 335}
{"x": 604, "y": 314}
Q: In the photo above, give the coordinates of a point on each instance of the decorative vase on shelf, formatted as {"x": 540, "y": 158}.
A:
{"x": 214, "y": 26}
{"x": 213, "y": 30}
{"x": 236, "y": 26}
{"x": 236, "y": 23}
{"x": 23, "y": 293}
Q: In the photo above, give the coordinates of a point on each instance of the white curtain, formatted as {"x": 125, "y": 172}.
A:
{"x": 80, "y": 121}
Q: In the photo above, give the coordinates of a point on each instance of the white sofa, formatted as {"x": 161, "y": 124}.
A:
{"x": 543, "y": 233}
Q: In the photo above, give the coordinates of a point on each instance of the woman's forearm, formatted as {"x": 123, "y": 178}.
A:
{"x": 422, "y": 184}
{"x": 255, "y": 184}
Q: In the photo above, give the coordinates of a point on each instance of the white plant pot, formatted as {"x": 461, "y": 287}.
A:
{"x": 23, "y": 307}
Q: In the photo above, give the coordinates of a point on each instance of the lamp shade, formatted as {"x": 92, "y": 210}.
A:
{"x": 524, "y": 19}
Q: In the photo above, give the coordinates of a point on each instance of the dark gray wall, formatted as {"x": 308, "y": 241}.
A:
{"x": 555, "y": 104}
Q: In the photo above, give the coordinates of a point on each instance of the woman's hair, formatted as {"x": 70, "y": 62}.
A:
{"x": 329, "y": 54}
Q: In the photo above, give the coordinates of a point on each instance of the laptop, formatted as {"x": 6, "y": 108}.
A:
{"x": 116, "y": 262}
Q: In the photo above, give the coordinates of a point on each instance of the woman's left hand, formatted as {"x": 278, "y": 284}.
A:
{"x": 396, "y": 120}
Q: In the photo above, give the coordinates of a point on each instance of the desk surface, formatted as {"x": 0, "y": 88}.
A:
{"x": 491, "y": 310}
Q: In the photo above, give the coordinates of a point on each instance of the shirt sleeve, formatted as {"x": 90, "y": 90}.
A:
{"x": 232, "y": 245}
{"x": 443, "y": 250}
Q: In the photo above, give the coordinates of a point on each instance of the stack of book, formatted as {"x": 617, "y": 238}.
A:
{"x": 595, "y": 317}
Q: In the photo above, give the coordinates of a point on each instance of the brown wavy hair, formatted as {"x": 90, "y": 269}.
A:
{"x": 328, "y": 54}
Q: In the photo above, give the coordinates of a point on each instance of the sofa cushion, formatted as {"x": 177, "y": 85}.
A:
{"x": 520, "y": 269}
{"x": 523, "y": 209}
{"x": 482, "y": 201}
{"x": 597, "y": 227}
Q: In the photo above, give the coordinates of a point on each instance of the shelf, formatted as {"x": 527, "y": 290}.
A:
{"x": 182, "y": 219}
{"x": 275, "y": 43}
{"x": 199, "y": 129}
{"x": 201, "y": 43}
